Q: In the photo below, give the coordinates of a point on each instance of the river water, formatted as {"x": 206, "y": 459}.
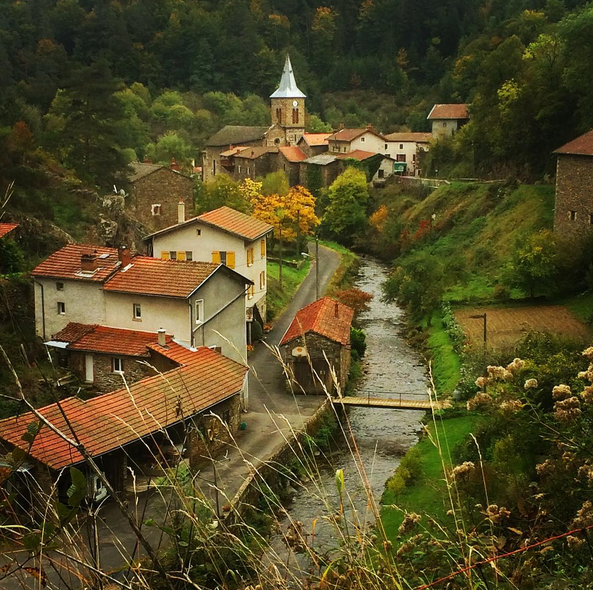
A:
{"x": 382, "y": 436}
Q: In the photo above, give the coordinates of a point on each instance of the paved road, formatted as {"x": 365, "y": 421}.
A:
{"x": 270, "y": 408}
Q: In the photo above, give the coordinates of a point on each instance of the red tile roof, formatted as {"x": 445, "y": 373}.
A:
{"x": 315, "y": 139}
{"x": 293, "y": 153}
{"x": 581, "y": 146}
{"x": 325, "y": 317}
{"x": 448, "y": 111}
{"x": 237, "y": 223}
{"x": 6, "y": 228}
{"x": 65, "y": 263}
{"x": 115, "y": 341}
{"x": 357, "y": 155}
{"x": 165, "y": 278}
{"x": 409, "y": 136}
{"x": 351, "y": 134}
{"x": 107, "y": 422}
{"x": 73, "y": 331}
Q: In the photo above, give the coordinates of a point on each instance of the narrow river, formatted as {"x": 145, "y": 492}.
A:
{"x": 382, "y": 436}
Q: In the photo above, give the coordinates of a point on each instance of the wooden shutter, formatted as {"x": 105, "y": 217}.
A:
{"x": 230, "y": 259}
{"x": 263, "y": 248}
{"x": 216, "y": 257}
{"x": 165, "y": 255}
{"x": 180, "y": 255}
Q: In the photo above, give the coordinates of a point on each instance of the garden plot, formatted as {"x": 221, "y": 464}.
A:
{"x": 507, "y": 325}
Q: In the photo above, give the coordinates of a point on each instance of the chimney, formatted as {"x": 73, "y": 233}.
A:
{"x": 175, "y": 165}
{"x": 369, "y": 126}
{"x": 88, "y": 261}
{"x": 336, "y": 309}
{"x": 124, "y": 256}
{"x": 181, "y": 211}
{"x": 162, "y": 337}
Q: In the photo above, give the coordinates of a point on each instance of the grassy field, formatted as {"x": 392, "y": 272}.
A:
{"x": 427, "y": 495}
{"x": 344, "y": 276}
{"x": 445, "y": 364}
{"x": 278, "y": 298}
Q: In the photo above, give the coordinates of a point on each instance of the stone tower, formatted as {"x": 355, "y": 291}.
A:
{"x": 288, "y": 108}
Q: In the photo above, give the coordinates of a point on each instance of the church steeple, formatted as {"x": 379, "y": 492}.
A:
{"x": 288, "y": 108}
{"x": 288, "y": 87}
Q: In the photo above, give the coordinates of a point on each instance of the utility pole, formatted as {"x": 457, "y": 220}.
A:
{"x": 280, "y": 265}
{"x": 316, "y": 266}
{"x": 484, "y": 317}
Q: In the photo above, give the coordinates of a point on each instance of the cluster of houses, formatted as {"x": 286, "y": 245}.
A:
{"x": 310, "y": 158}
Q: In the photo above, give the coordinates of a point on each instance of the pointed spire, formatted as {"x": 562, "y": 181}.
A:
{"x": 288, "y": 87}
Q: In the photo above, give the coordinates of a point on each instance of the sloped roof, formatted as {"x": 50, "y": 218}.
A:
{"x": 321, "y": 159}
{"x": 233, "y": 151}
{"x": 142, "y": 169}
{"x": 293, "y": 153}
{"x": 315, "y": 139}
{"x": 115, "y": 341}
{"x": 165, "y": 278}
{"x": 110, "y": 421}
{"x": 65, "y": 263}
{"x": 359, "y": 155}
{"x": 256, "y": 151}
{"x": 236, "y": 134}
{"x": 7, "y": 228}
{"x": 288, "y": 87}
{"x": 325, "y": 317}
{"x": 409, "y": 136}
{"x": 581, "y": 146}
{"x": 237, "y": 223}
{"x": 448, "y": 111}
{"x": 73, "y": 331}
{"x": 351, "y": 134}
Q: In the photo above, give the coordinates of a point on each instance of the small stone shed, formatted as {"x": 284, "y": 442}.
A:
{"x": 317, "y": 341}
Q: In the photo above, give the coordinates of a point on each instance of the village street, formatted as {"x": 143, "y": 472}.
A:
{"x": 273, "y": 412}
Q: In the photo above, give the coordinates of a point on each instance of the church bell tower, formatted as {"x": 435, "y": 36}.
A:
{"x": 288, "y": 107}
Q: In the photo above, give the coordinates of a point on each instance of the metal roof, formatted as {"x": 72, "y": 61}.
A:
{"x": 288, "y": 87}
{"x": 321, "y": 159}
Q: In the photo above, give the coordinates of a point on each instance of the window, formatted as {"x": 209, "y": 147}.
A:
{"x": 250, "y": 256}
{"x": 247, "y": 169}
{"x": 400, "y": 158}
{"x": 137, "y": 312}
{"x": 156, "y": 209}
{"x": 401, "y": 146}
{"x": 61, "y": 308}
{"x": 239, "y": 168}
{"x": 226, "y": 258}
{"x": 279, "y": 115}
{"x": 414, "y": 158}
{"x": 388, "y": 155}
{"x": 590, "y": 218}
{"x": 572, "y": 215}
{"x": 189, "y": 256}
{"x": 262, "y": 246}
{"x": 199, "y": 310}
{"x": 223, "y": 258}
{"x": 381, "y": 173}
{"x": 362, "y": 139}
{"x": 164, "y": 255}
{"x": 172, "y": 255}
{"x": 386, "y": 146}
{"x": 344, "y": 150}
{"x": 251, "y": 292}
{"x": 117, "y": 364}
{"x": 198, "y": 232}
{"x": 295, "y": 116}
{"x": 59, "y": 286}
{"x": 262, "y": 279}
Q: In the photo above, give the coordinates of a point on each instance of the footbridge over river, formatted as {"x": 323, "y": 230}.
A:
{"x": 396, "y": 401}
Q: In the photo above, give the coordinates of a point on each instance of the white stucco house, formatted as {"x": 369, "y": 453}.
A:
{"x": 198, "y": 304}
{"x": 447, "y": 119}
{"x": 222, "y": 236}
{"x": 404, "y": 148}
{"x": 348, "y": 140}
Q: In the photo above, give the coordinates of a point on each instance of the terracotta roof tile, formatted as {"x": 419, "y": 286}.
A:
{"x": 315, "y": 139}
{"x": 357, "y": 155}
{"x": 235, "y": 222}
{"x": 7, "y": 228}
{"x": 581, "y": 146}
{"x": 166, "y": 278}
{"x": 73, "y": 331}
{"x": 293, "y": 153}
{"x": 325, "y": 317}
{"x": 409, "y": 136}
{"x": 116, "y": 341}
{"x": 112, "y": 420}
{"x": 65, "y": 263}
{"x": 449, "y": 111}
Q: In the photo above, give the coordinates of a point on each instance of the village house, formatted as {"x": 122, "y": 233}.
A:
{"x": 222, "y": 236}
{"x": 155, "y": 191}
{"x": 573, "y": 212}
{"x": 195, "y": 404}
{"x": 349, "y": 140}
{"x": 313, "y": 144}
{"x": 6, "y": 228}
{"x": 447, "y": 119}
{"x": 319, "y": 171}
{"x": 289, "y": 159}
{"x": 316, "y": 343}
{"x": 288, "y": 116}
{"x": 199, "y": 303}
{"x": 377, "y": 166}
{"x": 404, "y": 148}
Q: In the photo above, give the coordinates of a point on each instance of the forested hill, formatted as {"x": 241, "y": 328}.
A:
{"x": 524, "y": 65}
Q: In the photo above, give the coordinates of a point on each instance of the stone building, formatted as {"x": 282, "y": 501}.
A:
{"x": 155, "y": 191}
{"x": 316, "y": 344}
{"x": 289, "y": 158}
{"x": 447, "y": 119}
{"x": 313, "y": 144}
{"x": 573, "y": 212}
{"x": 318, "y": 171}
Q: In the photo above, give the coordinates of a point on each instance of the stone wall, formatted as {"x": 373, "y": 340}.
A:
{"x": 574, "y": 196}
{"x": 164, "y": 187}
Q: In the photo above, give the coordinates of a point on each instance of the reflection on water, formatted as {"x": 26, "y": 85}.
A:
{"x": 381, "y": 435}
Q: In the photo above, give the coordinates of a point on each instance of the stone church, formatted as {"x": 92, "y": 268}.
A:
{"x": 243, "y": 151}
